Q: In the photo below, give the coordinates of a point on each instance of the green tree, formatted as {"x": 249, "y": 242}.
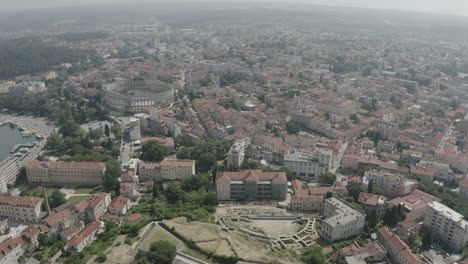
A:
{"x": 355, "y": 191}
{"x": 210, "y": 199}
{"x": 153, "y": 151}
{"x": 106, "y": 130}
{"x": 117, "y": 131}
{"x": 184, "y": 153}
{"x": 328, "y": 195}
{"x": 372, "y": 219}
{"x": 391, "y": 216}
{"x": 427, "y": 239}
{"x": 155, "y": 190}
{"x": 206, "y": 162}
{"x": 413, "y": 240}
{"x": 314, "y": 255}
{"x": 95, "y": 133}
{"x": 174, "y": 193}
{"x": 354, "y": 118}
{"x": 67, "y": 94}
{"x": 101, "y": 257}
{"x": 110, "y": 180}
{"x": 291, "y": 176}
{"x": 292, "y": 127}
{"x": 198, "y": 182}
{"x": 57, "y": 198}
{"x": 328, "y": 177}
{"x": 161, "y": 252}
{"x": 53, "y": 141}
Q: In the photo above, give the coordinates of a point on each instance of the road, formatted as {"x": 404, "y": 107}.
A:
{"x": 446, "y": 136}
{"x": 337, "y": 160}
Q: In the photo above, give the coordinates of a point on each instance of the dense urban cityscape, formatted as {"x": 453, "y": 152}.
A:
{"x": 224, "y": 133}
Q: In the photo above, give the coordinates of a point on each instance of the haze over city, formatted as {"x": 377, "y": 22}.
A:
{"x": 228, "y": 132}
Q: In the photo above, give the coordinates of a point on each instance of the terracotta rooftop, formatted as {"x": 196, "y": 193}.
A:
{"x": 251, "y": 175}
{"x": 10, "y": 244}
{"x": 119, "y": 202}
{"x": 401, "y": 246}
{"x": 84, "y": 233}
{"x": 67, "y": 165}
{"x": 98, "y": 199}
{"x": 369, "y": 198}
{"x": 133, "y": 217}
{"x": 66, "y": 213}
{"x": 23, "y": 201}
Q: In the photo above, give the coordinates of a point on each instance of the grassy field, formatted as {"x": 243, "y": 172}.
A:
{"x": 83, "y": 190}
{"x": 75, "y": 199}
{"x": 38, "y": 191}
{"x": 156, "y": 234}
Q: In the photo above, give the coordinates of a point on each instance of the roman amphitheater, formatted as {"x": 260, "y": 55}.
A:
{"x": 135, "y": 95}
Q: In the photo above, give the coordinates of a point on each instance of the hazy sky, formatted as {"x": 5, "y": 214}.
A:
{"x": 456, "y": 7}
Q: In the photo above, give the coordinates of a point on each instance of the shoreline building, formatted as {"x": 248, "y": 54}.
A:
{"x": 251, "y": 185}
{"x": 9, "y": 169}
{"x": 59, "y": 172}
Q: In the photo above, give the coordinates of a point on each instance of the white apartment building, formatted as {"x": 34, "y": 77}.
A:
{"x": 59, "y": 172}
{"x": 166, "y": 170}
{"x": 98, "y": 206}
{"x": 9, "y": 170}
{"x": 236, "y": 153}
{"x": 392, "y": 184}
{"x": 448, "y": 225}
{"x": 340, "y": 220}
{"x": 308, "y": 166}
{"x": 20, "y": 208}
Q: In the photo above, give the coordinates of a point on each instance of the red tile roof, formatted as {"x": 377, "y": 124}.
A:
{"x": 67, "y": 165}
{"x": 251, "y": 175}
{"x": 10, "y": 244}
{"x": 98, "y": 199}
{"x": 119, "y": 202}
{"x": 368, "y": 198}
{"x": 25, "y": 201}
{"x": 400, "y": 245}
{"x": 133, "y": 217}
{"x": 84, "y": 233}
{"x": 66, "y": 213}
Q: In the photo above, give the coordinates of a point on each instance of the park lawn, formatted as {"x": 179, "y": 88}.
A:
{"x": 83, "y": 190}
{"x": 156, "y": 234}
{"x": 196, "y": 254}
{"x": 75, "y": 199}
{"x": 38, "y": 191}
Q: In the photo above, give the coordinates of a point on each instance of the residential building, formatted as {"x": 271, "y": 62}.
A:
{"x": 119, "y": 205}
{"x": 130, "y": 190}
{"x": 134, "y": 133}
{"x": 168, "y": 142}
{"x": 369, "y": 202}
{"x": 406, "y": 227}
{"x": 20, "y": 208}
{"x": 67, "y": 216}
{"x": 166, "y": 170}
{"x": 98, "y": 206}
{"x": 59, "y": 172}
{"x": 85, "y": 236}
{"x": 10, "y": 170}
{"x": 448, "y": 226}
{"x": 397, "y": 249}
{"x": 72, "y": 230}
{"x": 373, "y": 249}
{"x": 308, "y": 166}
{"x": 463, "y": 189}
{"x": 392, "y": 184}
{"x": 340, "y": 220}
{"x": 303, "y": 200}
{"x": 11, "y": 249}
{"x": 336, "y": 106}
{"x": 236, "y": 154}
{"x": 414, "y": 205}
{"x": 251, "y": 185}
